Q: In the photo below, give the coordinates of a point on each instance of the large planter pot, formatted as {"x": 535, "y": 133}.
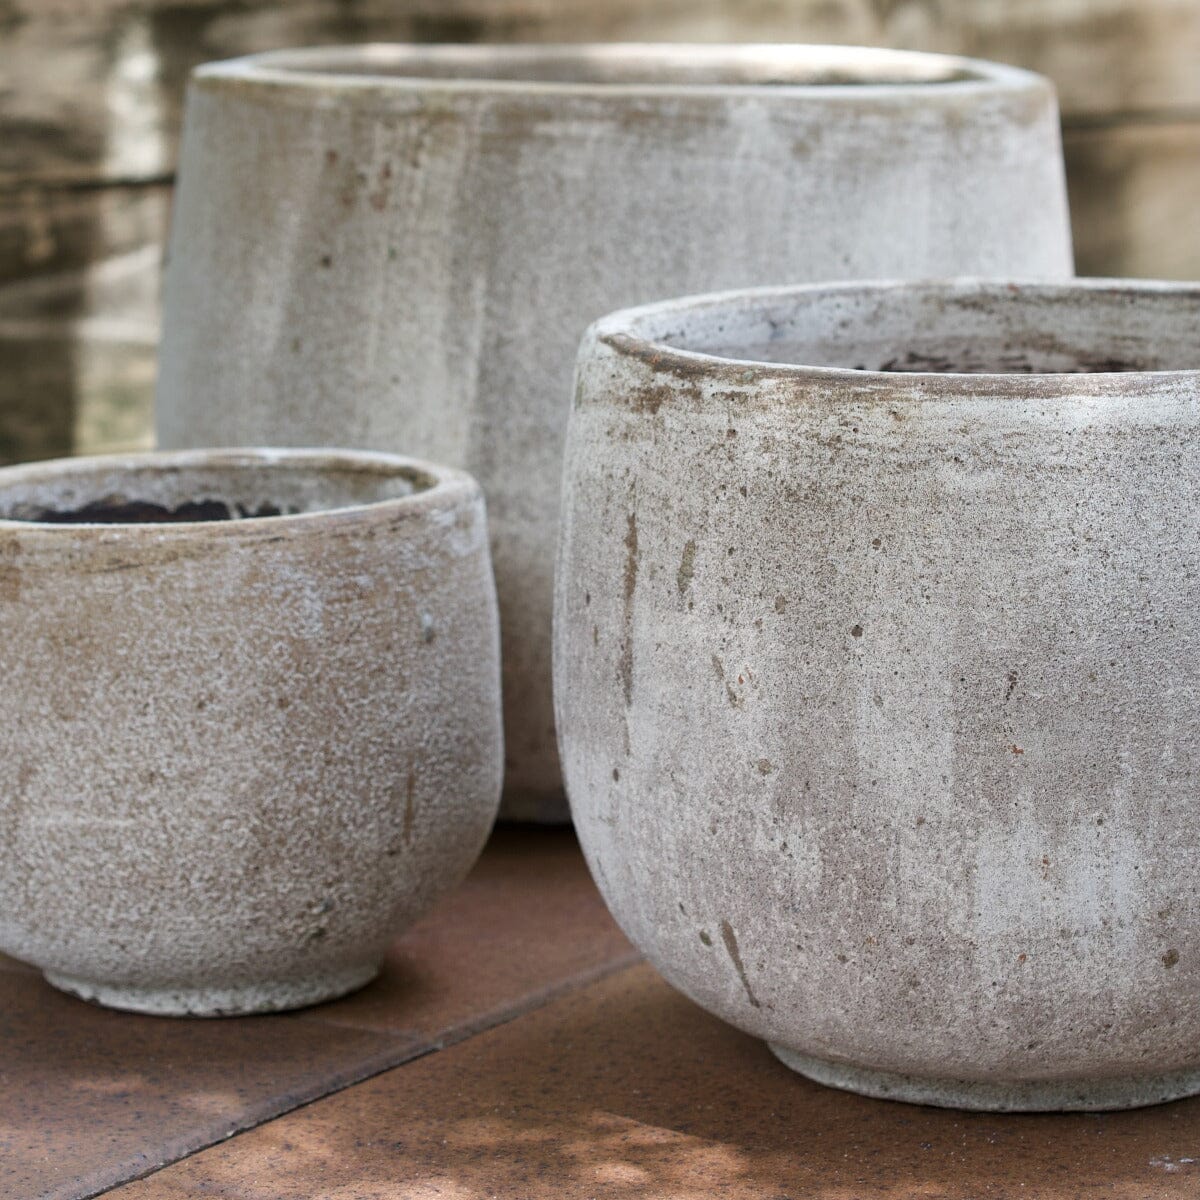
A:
{"x": 399, "y": 247}
{"x": 877, "y": 681}
{"x": 239, "y": 752}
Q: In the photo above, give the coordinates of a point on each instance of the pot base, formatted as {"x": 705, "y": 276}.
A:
{"x": 1051, "y": 1095}
{"x": 264, "y": 997}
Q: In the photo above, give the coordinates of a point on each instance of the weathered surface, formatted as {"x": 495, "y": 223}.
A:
{"x": 408, "y": 264}
{"x": 880, "y": 733}
{"x": 238, "y": 756}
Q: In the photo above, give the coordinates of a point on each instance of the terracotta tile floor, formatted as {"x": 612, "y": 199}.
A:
{"x": 574, "y": 1073}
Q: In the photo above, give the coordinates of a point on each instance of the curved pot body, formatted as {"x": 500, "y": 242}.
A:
{"x": 877, "y": 687}
{"x": 238, "y": 756}
{"x": 399, "y": 247}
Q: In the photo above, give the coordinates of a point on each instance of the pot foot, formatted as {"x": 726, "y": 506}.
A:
{"x": 1048, "y": 1095}
{"x": 235, "y": 1001}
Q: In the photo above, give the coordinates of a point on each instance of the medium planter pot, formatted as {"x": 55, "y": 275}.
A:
{"x": 239, "y": 751}
{"x": 877, "y": 677}
{"x": 400, "y": 247}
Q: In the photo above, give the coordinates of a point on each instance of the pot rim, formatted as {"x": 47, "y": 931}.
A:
{"x": 631, "y": 334}
{"x": 323, "y": 69}
{"x": 448, "y": 490}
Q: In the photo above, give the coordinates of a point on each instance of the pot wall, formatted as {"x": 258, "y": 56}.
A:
{"x": 876, "y": 692}
{"x": 237, "y": 758}
{"x": 401, "y": 263}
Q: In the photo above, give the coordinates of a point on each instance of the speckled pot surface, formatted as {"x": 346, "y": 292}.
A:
{"x": 877, "y": 681}
{"x": 399, "y": 247}
{"x": 237, "y": 756}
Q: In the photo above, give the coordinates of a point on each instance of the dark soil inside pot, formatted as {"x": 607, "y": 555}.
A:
{"x": 1003, "y": 363}
{"x": 118, "y": 510}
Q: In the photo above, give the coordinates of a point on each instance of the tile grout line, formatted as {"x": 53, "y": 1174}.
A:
{"x": 386, "y": 1061}
{"x": 504, "y": 1013}
{"x": 537, "y": 1000}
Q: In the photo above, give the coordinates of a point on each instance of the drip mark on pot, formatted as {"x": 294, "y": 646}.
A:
{"x": 1012, "y": 684}
{"x": 631, "y": 574}
{"x": 732, "y": 696}
{"x": 409, "y": 809}
{"x": 731, "y": 945}
{"x": 378, "y": 199}
{"x": 687, "y": 565}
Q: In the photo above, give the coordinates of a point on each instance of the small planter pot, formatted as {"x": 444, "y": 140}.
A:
{"x": 399, "y": 247}
{"x": 250, "y": 721}
{"x": 877, "y": 677}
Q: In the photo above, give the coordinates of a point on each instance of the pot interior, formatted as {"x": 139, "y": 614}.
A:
{"x": 226, "y": 489}
{"x": 995, "y": 329}
{"x": 633, "y": 65}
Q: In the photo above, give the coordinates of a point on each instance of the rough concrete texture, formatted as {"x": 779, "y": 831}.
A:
{"x": 877, "y": 680}
{"x": 400, "y": 247}
{"x": 237, "y": 756}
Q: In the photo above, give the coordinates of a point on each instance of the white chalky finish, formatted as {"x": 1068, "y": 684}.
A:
{"x": 878, "y": 692}
{"x": 400, "y": 247}
{"x": 237, "y": 757}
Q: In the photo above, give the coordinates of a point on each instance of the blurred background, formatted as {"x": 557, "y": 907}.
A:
{"x": 91, "y": 102}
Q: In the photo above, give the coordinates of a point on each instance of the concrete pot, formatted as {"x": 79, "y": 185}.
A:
{"x": 237, "y": 756}
{"x": 876, "y": 682}
{"x": 400, "y": 247}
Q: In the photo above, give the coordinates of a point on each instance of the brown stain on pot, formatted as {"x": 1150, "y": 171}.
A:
{"x": 378, "y": 199}
{"x": 648, "y": 400}
{"x": 735, "y": 956}
{"x": 410, "y": 788}
{"x": 719, "y": 670}
{"x": 687, "y": 567}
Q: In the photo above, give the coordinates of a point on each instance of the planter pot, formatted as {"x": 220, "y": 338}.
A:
{"x": 876, "y": 681}
{"x": 237, "y": 756}
{"x": 400, "y": 247}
